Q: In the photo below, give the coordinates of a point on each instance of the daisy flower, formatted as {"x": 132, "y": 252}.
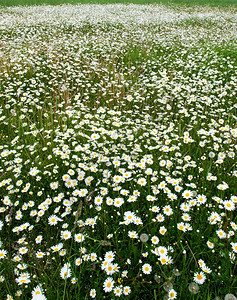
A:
{"x": 66, "y": 234}
{"x": 126, "y": 290}
{"x": 146, "y": 269}
{"x": 109, "y": 256}
{"x": 40, "y": 254}
{"x": 78, "y": 261}
{"x": 38, "y": 294}
{"x": 229, "y": 205}
{"x": 65, "y": 271}
{"x": 3, "y": 253}
{"x": 162, "y": 230}
{"x": 223, "y": 186}
{"x": 92, "y": 293}
{"x": 118, "y": 291}
{"x": 199, "y": 277}
{"x": 79, "y": 238}
{"x": 221, "y": 234}
{"x": 172, "y": 294}
{"x": 108, "y": 284}
{"x": 234, "y": 247}
{"x": 155, "y": 240}
{"x": 142, "y": 181}
{"x": 133, "y": 234}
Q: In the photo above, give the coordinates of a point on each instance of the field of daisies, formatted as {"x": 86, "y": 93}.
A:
{"x": 118, "y": 140}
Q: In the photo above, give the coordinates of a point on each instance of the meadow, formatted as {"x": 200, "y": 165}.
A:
{"x": 118, "y": 139}
{"x": 214, "y": 3}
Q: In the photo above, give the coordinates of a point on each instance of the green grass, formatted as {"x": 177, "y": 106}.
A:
{"x": 212, "y": 3}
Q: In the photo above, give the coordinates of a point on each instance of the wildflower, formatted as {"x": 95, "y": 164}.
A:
{"x": 133, "y": 234}
{"x": 165, "y": 259}
{"x": 109, "y": 256}
{"x": 186, "y": 217}
{"x": 93, "y": 256}
{"x": 98, "y": 200}
{"x": 79, "y": 238}
{"x": 137, "y": 221}
{"x": 233, "y": 225}
{"x": 155, "y": 209}
{"x": 18, "y": 293}
{"x": 129, "y": 217}
{"x": 66, "y": 234}
{"x": 109, "y": 201}
{"x": 78, "y": 261}
{"x": 234, "y": 247}
{"x": 38, "y": 294}
{"x": 181, "y": 226}
{"x": 162, "y": 230}
{"x": 38, "y": 239}
{"x": 126, "y": 290}
{"x": 3, "y": 253}
{"x": 23, "y": 250}
{"x": 53, "y": 220}
{"x": 40, "y": 254}
{"x": 160, "y": 218}
{"x": 109, "y": 268}
{"x": 57, "y": 247}
{"x": 185, "y": 207}
{"x": 62, "y": 252}
{"x": 118, "y": 291}
{"x": 146, "y": 269}
{"x": 206, "y": 269}
{"x": 83, "y": 192}
{"x": 223, "y": 186}
{"x": 92, "y": 293}
{"x": 172, "y": 294}
{"x": 142, "y": 181}
{"x": 118, "y": 202}
{"x": 108, "y": 284}
{"x": 23, "y": 278}
{"x": 155, "y": 240}
{"x": 132, "y": 199}
{"x": 199, "y": 277}
{"x": 233, "y": 199}
{"x": 187, "y": 194}
{"x": 162, "y": 250}
{"x": 22, "y": 266}
{"x": 65, "y": 271}
{"x": 229, "y": 205}
{"x": 54, "y": 185}
{"x": 221, "y": 234}
{"x": 74, "y": 280}
{"x": 201, "y": 199}
{"x": 150, "y": 198}
{"x": 167, "y": 210}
